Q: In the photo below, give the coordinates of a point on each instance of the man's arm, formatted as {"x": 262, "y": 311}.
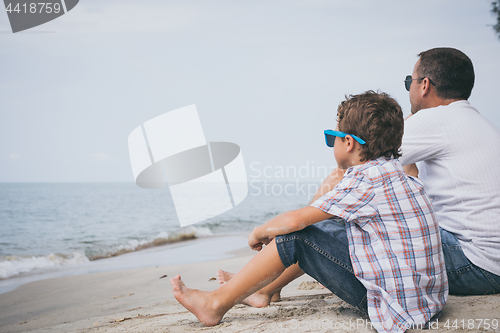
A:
{"x": 411, "y": 170}
{"x": 423, "y": 139}
{"x": 284, "y": 224}
{"x": 329, "y": 183}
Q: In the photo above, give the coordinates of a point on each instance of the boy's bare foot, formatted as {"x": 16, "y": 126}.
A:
{"x": 223, "y": 276}
{"x": 258, "y": 299}
{"x": 197, "y": 302}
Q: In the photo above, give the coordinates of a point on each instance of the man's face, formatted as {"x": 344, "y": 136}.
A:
{"x": 415, "y": 97}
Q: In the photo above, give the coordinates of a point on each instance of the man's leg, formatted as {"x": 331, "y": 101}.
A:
{"x": 465, "y": 278}
{"x": 210, "y": 307}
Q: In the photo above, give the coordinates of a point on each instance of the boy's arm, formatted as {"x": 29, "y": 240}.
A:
{"x": 284, "y": 224}
{"x": 329, "y": 183}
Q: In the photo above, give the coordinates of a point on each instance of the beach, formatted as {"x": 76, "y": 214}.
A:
{"x": 140, "y": 300}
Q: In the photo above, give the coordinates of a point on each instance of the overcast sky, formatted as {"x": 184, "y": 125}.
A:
{"x": 267, "y": 75}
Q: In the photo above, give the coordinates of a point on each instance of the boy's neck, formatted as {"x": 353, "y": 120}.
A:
{"x": 355, "y": 159}
{"x": 357, "y": 162}
{"x": 345, "y": 167}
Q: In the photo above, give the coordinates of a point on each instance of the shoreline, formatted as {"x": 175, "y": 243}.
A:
{"x": 106, "y": 301}
{"x": 140, "y": 300}
{"x": 167, "y": 254}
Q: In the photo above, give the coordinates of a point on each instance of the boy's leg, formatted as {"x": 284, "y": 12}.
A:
{"x": 323, "y": 253}
{"x": 271, "y": 292}
{"x": 210, "y": 307}
{"x": 291, "y": 273}
{"x": 335, "y": 234}
{"x": 465, "y": 278}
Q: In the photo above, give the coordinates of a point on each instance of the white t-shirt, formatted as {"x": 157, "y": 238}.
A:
{"x": 458, "y": 151}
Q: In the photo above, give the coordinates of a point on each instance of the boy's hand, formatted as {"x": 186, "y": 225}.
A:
{"x": 256, "y": 242}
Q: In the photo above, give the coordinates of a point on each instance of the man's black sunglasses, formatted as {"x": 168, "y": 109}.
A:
{"x": 408, "y": 81}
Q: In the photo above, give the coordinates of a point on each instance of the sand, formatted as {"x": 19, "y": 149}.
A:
{"x": 140, "y": 300}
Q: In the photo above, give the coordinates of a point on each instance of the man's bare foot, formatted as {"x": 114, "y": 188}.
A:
{"x": 198, "y": 302}
{"x": 258, "y": 299}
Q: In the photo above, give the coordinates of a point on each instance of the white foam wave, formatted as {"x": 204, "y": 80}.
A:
{"x": 198, "y": 231}
{"x": 15, "y": 265}
{"x": 11, "y": 266}
{"x": 185, "y": 233}
{"x": 160, "y": 239}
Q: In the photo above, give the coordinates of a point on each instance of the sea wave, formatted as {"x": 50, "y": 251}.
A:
{"x": 162, "y": 238}
{"x": 12, "y": 266}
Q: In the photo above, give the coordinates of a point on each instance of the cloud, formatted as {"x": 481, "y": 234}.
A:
{"x": 103, "y": 157}
{"x": 14, "y": 156}
{"x": 129, "y": 16}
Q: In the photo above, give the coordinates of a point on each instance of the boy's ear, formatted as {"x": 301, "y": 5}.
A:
{"x": 349, "y": 143}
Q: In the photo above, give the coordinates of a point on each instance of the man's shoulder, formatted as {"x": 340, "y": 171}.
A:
{"x": 459, "y": 114}
{"x": 435, "y": 119}
{"x": 455, "y": 106}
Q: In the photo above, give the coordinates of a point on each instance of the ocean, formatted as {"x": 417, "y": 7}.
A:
{"x": 46, "y": 227}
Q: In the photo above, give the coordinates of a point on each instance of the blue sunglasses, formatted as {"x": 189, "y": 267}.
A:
{"x": 330, "y": 137}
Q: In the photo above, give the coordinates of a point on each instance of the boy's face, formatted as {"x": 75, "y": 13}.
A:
{"x": 340, "y": 151}
{"x": 346, "y": 151}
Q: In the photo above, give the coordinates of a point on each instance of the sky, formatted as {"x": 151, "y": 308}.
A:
{"x": 266, "y": 75}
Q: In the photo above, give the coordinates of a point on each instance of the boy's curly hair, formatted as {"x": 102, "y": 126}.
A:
{"x": 376, "y": 118}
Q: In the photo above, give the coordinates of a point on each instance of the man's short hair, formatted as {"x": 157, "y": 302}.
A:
{"x": 376, "y": 118}
{"x": 450, "y": 70}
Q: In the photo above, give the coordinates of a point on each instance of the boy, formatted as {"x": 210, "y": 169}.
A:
{"x": 389, "y": 265}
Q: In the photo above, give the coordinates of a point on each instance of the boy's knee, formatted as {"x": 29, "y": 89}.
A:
{"x": 288, "y": 247}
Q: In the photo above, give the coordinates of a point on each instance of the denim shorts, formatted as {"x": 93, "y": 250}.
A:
{"x": 322, "y": 251}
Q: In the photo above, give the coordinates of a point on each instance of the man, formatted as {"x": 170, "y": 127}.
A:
{"x": 458, "y": 156}
{"x": 458, "y": 152}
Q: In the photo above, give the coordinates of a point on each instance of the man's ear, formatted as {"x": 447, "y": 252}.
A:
{"x": 425, "y": 88}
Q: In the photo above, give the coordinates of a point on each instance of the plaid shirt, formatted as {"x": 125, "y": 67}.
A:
{"x": 394, "y": 243}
